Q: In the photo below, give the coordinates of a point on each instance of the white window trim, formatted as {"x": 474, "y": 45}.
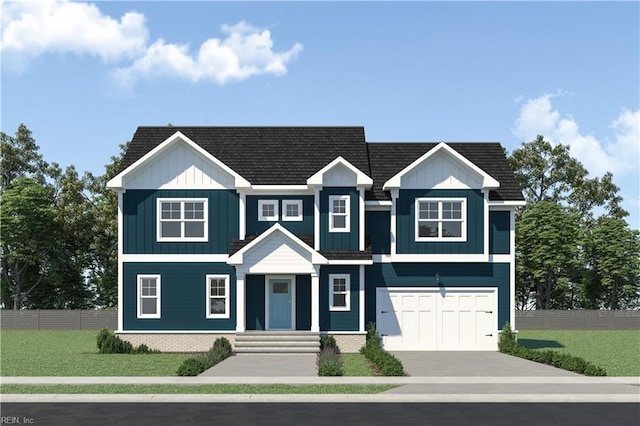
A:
{"x": 347, "y": 213}
{"x": 347, "y": 282}
{"x": 463, "y": 236}
{"x": 139, "y": 279}
{"x": 183, "y": 239}
{"x": 227, "y": 297}
{"x": 286, "y": 218}
{"x": 275, "y": 216}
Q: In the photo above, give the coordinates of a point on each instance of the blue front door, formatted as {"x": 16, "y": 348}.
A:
{"x": 280, "y": 303}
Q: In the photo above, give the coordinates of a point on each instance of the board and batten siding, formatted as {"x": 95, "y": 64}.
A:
{"x": 378, "y": 231}
{"x": 140, "y": 222}
{"x": 406, "y": 223}
{"x": 451, "y": 275}
{"x": 339, "y": 240}
{"x": 182, "y": 296}
{"x": 255, "y": 302}
{"x": 304, "y": 227}
{"x": 499, "y": 232}
{"x": 340, "y": 320}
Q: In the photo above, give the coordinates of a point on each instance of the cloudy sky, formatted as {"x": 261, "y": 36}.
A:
{"x": 82, "y": 76}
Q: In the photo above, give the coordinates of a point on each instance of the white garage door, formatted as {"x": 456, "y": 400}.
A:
{"x": 445, "y": 318}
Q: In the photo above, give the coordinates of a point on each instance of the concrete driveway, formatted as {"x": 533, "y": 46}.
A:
{"x": 473, "y": 364}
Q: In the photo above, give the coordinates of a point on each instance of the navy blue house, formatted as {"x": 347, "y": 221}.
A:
{"x": 271, "y": 236}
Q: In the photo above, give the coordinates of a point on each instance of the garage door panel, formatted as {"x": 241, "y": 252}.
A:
{"x": 437, "y": 318}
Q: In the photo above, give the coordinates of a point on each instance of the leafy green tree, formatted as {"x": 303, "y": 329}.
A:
{"x": 103, "y": 272}
{"x": 548, "y": 254}
{"x": 20, "y": 157}
{"x": 28, "y": 228}
{"x": 613, "y": 255}
{"x": 66, "y": 286}
{"x": 548, "y": 173}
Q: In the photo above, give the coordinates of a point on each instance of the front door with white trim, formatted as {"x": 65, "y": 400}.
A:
{"x": 280, "y": 303}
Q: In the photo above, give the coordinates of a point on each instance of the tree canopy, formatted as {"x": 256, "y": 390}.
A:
{"x": 567, "y": 257}
{"x": 59, "y": 231}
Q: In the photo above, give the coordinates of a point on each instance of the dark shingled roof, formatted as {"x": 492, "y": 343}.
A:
{"x": 237, "y": 245}
{"x": 290, "y": 155}
{"x": 265, "y": 155}
{"x": 388, "y": 159}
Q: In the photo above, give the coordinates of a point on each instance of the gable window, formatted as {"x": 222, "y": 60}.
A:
{"x": 148, "y": 296}
{"x": 268, "y": 210}
{"x": 292, "y": 210}
{"x": 217, "y": 296}
{"x": 441, "y": 219}
{"x": 339, "y": 213}
{"x": 339, "y": 292}
{"x": 182, "y": 219}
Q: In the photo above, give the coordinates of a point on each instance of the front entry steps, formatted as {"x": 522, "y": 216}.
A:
{"x": 277, "y": 342}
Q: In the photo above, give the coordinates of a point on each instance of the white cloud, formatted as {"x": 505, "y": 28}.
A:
{"x": 31, "y": 29}
{"x": 245, "y": 52}
{"x": 538, "y": 117}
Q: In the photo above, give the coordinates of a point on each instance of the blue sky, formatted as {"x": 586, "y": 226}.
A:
{"x": 83, "y": 76}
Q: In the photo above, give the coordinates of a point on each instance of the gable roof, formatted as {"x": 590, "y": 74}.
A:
{"x": 388, "y": 159}
{"x": 487, "y": 180}
{"x": 174, "y": 139}
{"x": 291, "y": 155}
{"x": 264, "y": 155}
{"x": 362, "y": 180}
{"x": 236, "y": 258}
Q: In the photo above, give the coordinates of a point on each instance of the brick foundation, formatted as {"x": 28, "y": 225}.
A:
{"x": 350, "y": 343}
{"x": 175, "y": 342}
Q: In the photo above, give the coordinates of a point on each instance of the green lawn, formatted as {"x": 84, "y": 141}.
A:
{"x": 74, "y": 353}
{"x": 617, "y": 351}
{"x": 356, "y": 365}
{"x": 197, "y": 389}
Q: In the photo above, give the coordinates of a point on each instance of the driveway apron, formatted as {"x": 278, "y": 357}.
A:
{"x": 473, "y": 364}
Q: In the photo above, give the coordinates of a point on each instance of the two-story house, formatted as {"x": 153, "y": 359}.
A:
{"x": 270, "y": 236}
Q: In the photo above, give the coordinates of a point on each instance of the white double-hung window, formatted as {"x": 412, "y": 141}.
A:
{"x": 339, "y": 292}
{"x": 148, "y": 291}
{"x": 339, "y": 213}
{"x": 441, "y": 219}
{"x": 217, "y": 296}
{"x": 182, "y": 219}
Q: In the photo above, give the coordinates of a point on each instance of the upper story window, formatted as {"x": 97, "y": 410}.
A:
{"x": 339, "y": 292}
{"x": 182, "y": 220}
{"x": 148, "y": 296}
{"x": 268, "y": 210}
{"x": 339, "y": 213}
{"x": 292, "y": 210}
{"x": 441, "y": 219}
{"x": 217, "y": 296}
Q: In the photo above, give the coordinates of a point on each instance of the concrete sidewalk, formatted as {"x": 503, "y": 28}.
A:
{"x": 410, "y": 389}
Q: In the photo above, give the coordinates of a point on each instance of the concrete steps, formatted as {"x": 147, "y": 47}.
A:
{"x": 277, "y": 342}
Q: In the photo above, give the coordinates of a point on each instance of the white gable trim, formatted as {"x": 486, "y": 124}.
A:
{"x": 117, "y": 182}
{"x": 238, "y": 257}
{"x": 488, "y": 182}
{"x": 362, "y": 180}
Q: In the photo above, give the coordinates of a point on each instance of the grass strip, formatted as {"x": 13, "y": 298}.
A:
{"x": 194, "y": 389}
{"x": 356, "y": 365}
